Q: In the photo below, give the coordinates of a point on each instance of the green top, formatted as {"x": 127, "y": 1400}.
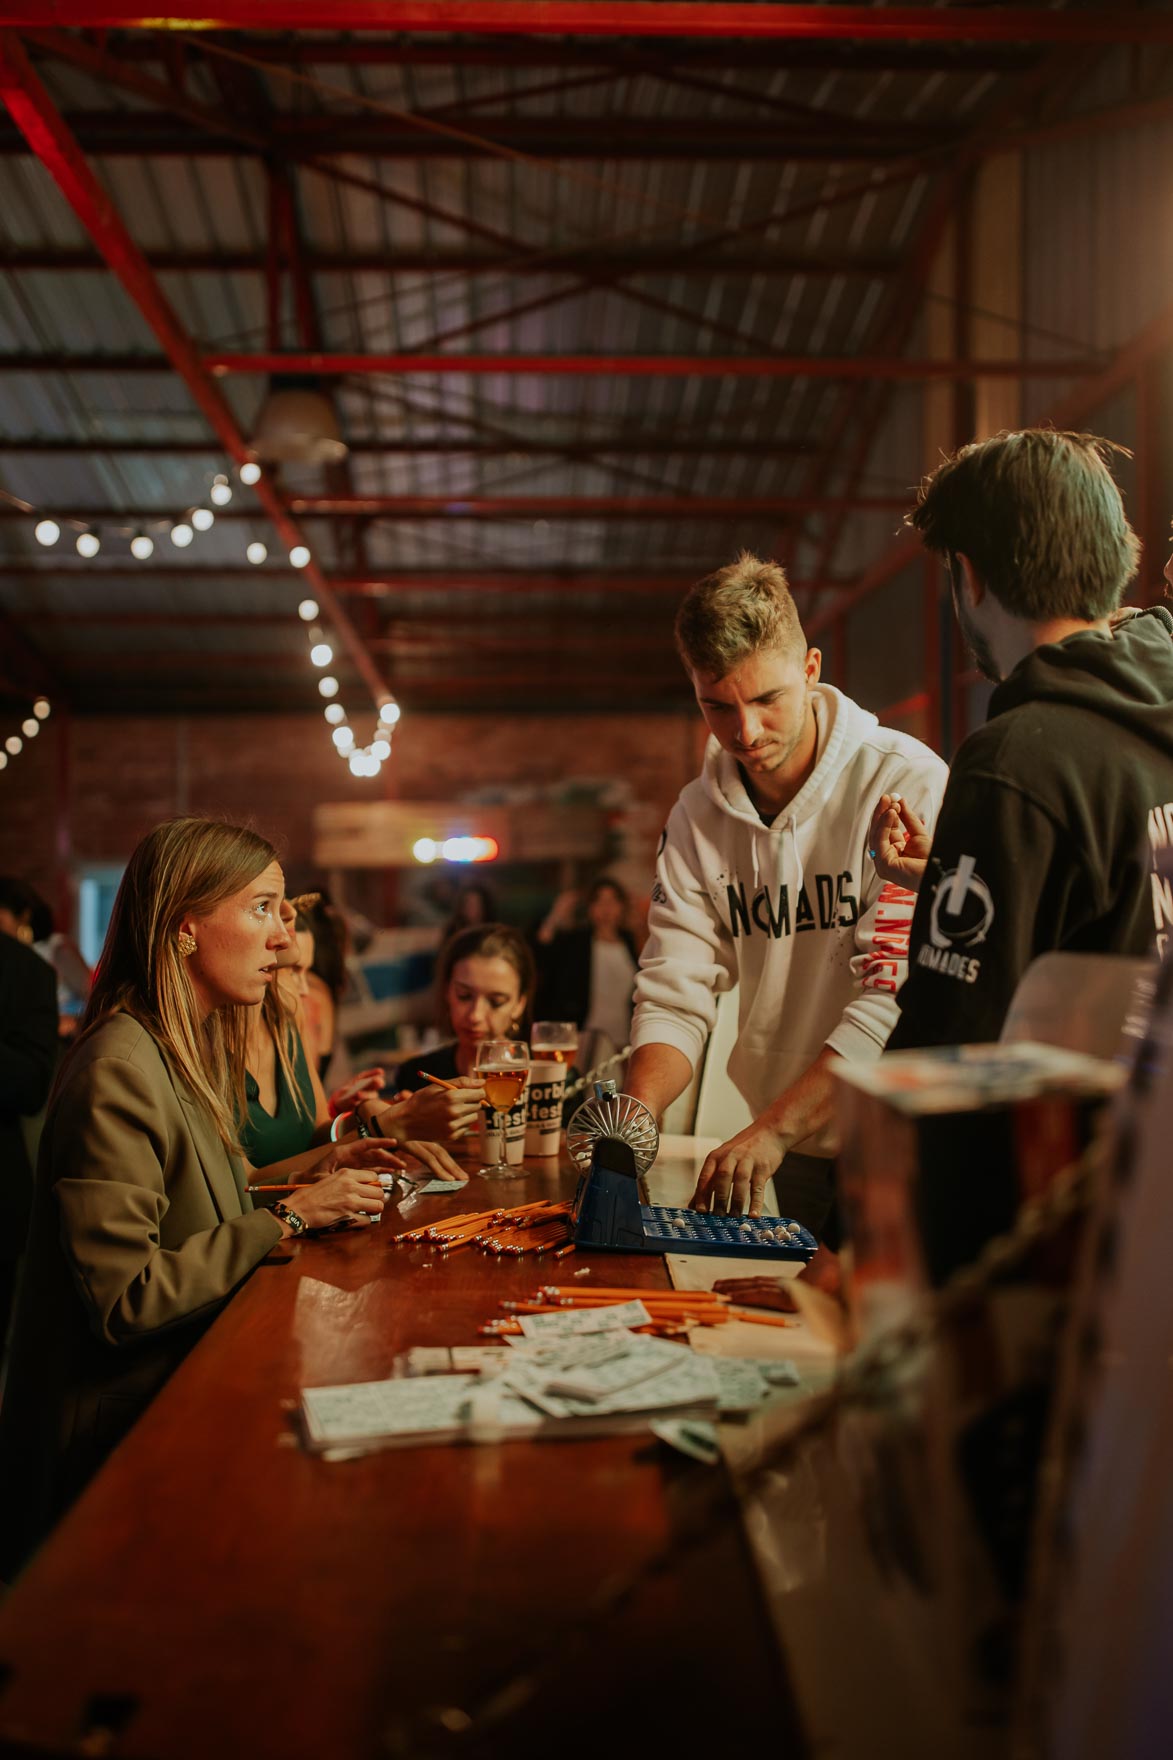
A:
{"x": 271, "y": 1136}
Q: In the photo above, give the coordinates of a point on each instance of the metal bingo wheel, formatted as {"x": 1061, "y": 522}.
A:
{"x": 611, "y": 1114}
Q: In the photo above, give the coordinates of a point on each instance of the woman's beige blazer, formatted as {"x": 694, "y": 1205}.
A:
{"x": 141, "y": 1229}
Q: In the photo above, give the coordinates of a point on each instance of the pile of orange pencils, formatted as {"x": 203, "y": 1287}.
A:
{"x": 541, "y": 1227}
{"x": 672, "y": 1311}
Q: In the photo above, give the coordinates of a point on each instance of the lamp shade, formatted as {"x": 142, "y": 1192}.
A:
{"x": 297, "y": 425}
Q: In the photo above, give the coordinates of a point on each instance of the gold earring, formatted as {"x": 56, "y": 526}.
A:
{"x": 186, "y": 943}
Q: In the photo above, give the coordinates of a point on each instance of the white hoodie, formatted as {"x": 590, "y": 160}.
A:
{"x": 793, "y": 912}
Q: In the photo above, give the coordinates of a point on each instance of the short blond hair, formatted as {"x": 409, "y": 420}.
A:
{"x": 741, "y": 609}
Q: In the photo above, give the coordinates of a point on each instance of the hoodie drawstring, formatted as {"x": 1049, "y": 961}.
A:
{"x": 791, "y": 826}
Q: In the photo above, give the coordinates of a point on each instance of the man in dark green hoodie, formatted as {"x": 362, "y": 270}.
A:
{"x": 1055, "y": 810}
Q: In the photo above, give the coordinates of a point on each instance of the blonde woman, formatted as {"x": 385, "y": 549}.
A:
{"x": 141, "y": 1225}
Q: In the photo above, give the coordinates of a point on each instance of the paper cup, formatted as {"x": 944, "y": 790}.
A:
{"x": 544, "y": 1123}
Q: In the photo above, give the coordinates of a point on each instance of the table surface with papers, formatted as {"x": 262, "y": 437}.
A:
{"x": 220, "y": 1590}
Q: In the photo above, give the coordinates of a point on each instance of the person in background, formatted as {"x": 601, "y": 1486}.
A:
{"x": 28, "y": 1054}
{"x": 484, "y": 986}
{"x": 141, "y": 1226}
{"x": 25, "y": 915}
{"x": 764, "y": 882}
{"x": 326, "y": 978}
{"x": 586, "y": 974}
{"x": 473, "y": 906}
{"x": 1059, "y": 808}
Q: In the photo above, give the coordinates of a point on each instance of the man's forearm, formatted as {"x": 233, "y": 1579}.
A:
{"x": 805, "y": 1113}
{"x": 657, "y": 1075}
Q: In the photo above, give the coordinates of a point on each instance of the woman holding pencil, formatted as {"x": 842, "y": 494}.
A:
{"x": 141, "y": 1225}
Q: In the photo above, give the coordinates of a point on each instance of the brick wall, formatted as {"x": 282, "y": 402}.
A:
{"x": 119, "y": 777}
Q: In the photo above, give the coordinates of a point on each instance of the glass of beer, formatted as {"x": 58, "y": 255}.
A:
{"x": 553, "y": 1041}
{"x": 503, "y": 1066}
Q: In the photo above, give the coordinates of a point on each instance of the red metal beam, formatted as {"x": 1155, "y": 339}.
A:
{"x": 584, "y": 506}
{"x": 440, "y": 262}
{"x": 393, "y": 583}
{"x": 624, "y": 18}
{"x": 770, "y": 366}
{"x": 116, "y": 133}
{"x": 601, "y": 446}
{"x": 32, "y": 110}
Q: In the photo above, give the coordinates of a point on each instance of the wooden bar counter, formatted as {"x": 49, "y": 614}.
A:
{"x": 219, "y": 1592}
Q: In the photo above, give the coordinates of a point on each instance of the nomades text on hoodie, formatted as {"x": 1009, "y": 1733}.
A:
{"x": 1051, "y": 831}
{"x": 793, "y": 912}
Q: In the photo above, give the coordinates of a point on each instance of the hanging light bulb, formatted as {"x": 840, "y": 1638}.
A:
{"x": 142, "y": 546}
{"x": 220, "y": 494}
{"x": 13, "y": 743}
{"x": 41, "y": 708}
{"x": 308, "y": 610}
{"x": 381, "y": 749}
{"x": 328, "y": 687}
{"x": 256, "y": 553}
{"x": 358, "y": 764}
{"x": 88, "y": 544}
{"x": 30, "y": 728}
{"x": 299, "y": 556}
{"x": 3, "y": 760}
{"x": 181, "y": 534}
{"x": 249, "y": 472}
{"x": 335, "y": 713}
{"x": 46, "y": 531}
{"x": 203, "y": 519}
{"x": 321, "y": 653}
{"x": 343, "y": 737}
{"x": 390, "y": 713}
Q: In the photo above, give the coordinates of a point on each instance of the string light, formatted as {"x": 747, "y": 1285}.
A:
{"x": 328, "y": 687}
{"x": 30, "y": 728}
{"x": 13, "y": 743}
{"x": 203, "y": 519}
{"x": 221, "y": 491}
{"x": 46, "y": 531}
{"x": 343, "y": 737}
{"x": 308, "y": 610}
{"x": 299, "y": 556}
{"x": 335, "y": 713}
{"x": 142, "y": 546}
{"x": 390, "y": 712}
{"x": 181, "y": 534}
{"x": 256, "y": 553}
{"x": 88, "y": 543}
{"x": 381, "y": 749}
{"x": 3, "y": 760}
{"x": 321, "y": 653}
{"x": 249, "y": 472}
{"x": 41, "y": 709}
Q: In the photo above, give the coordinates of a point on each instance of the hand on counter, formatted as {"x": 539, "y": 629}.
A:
{"x": 822, "y": 1273}
{"x": 346, "y": 1193}
{"x": 734, "y": 1176}
{"x": 435, "y": 1158}
{"x": 899, "y": 843}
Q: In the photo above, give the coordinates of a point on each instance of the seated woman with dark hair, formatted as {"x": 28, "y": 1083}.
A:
{"x": 484, "y": 986}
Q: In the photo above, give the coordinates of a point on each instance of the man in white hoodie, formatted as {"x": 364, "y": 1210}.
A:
{"x": 764, "y": 881}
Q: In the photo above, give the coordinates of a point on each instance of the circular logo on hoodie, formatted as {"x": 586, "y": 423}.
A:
{"x": 962, "y": 909}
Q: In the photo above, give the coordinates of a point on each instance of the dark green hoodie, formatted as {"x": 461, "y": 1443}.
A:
{"x": 1049, "y": 831}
